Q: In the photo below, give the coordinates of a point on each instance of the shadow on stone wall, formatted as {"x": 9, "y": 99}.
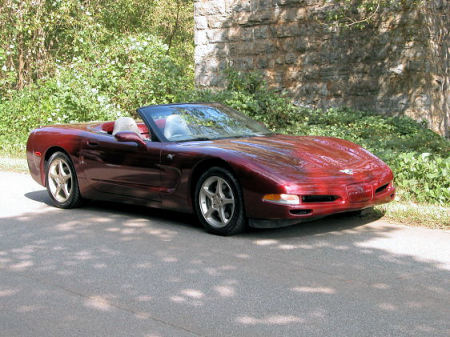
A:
{"x": 391, "y": 67}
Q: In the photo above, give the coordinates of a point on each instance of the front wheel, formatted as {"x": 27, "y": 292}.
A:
{"x": 218, "y": 202}
{"x": 61, "y": 181}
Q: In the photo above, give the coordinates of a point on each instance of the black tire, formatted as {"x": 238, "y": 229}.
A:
{"x": 236, "y": 221}
{"x": 55, "y": 178}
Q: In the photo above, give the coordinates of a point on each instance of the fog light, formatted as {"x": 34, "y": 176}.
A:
{"x": 283, "y": 199}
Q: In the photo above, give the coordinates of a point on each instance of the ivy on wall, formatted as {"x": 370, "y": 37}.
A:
{"x": 360, "y": 14}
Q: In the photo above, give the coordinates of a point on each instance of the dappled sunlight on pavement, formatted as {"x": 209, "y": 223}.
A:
{"x": 114, "y": 270}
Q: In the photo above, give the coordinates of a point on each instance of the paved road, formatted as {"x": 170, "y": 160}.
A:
{"x": 112, "y": 270}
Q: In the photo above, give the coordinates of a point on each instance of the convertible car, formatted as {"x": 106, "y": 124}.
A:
{"x": 210, "y": 160}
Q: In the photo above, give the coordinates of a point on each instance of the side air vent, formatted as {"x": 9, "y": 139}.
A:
{"x": 319, "y": 198}
{"x": 381, "y": 188}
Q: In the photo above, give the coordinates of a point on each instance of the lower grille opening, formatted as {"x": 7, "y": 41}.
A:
{"x": 381, "y": 188}
{"x": 319, "y": 198}
{"x": 300, "y": 211}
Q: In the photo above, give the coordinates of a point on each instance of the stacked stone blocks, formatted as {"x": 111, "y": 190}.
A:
{"x": 386, "y": 68}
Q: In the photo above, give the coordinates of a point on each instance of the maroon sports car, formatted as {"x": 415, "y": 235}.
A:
{"x": 210, "y": 160}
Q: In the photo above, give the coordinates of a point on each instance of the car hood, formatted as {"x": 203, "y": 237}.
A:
{"x": 294, "y": 157}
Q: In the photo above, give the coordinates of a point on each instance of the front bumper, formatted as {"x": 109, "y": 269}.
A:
{"x": 351, "y": 197}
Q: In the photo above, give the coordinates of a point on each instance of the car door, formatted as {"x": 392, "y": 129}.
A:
{"x": 122, "y": 168}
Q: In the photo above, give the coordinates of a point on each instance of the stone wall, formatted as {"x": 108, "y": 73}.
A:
{"x": 399, "y": 65}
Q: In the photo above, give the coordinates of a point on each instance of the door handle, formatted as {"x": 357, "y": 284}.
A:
{"x": 170, "y": 156}
{"x": 92, "y": 143}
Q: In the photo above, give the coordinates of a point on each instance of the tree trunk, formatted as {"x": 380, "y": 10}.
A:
{"x": 175, "y": 27}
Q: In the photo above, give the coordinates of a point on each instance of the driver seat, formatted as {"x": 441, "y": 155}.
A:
{"x": 176, "y": 127}
{"x": 126, "y": 124}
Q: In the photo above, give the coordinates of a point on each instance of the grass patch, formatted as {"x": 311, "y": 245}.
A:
{"x": 8, "y": 163}
{"x": 408, "y": 213}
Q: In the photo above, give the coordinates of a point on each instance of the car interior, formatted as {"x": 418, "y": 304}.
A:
{"x": 176, "y": 128}
{"x": 122, "y": 124}
{"x": 173, "y": 127}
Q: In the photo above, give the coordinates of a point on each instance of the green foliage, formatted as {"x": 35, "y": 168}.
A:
{"x": 130, "y": 72}
{"x": 75, "y": 60}
{"x": 425, "y": 177}
{"x": 136, "y": 70}
{"x": 37, "y": 35}
{"x": 248, "y": 93}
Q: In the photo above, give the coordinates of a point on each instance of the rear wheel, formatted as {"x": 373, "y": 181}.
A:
{"x": 61, "y": 181}
{"x": 218, "y": 202}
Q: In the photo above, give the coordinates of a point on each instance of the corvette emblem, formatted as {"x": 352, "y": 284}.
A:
{"x": 347, "y": 171}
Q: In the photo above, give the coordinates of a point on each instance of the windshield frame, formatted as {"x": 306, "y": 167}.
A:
{"x": 157, "y": 134}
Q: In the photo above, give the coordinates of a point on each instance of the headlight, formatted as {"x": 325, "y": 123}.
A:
{"x": 282, "y": 199}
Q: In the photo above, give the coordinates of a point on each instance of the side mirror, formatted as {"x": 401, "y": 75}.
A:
{"x": 126, "y": 136}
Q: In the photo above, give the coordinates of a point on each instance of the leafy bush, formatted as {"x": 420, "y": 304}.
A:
{"x": 423, "y": 177}
{"x": 249, "y": 94}
{"x": 35, "y": 36}
{"x": 67, "y": 99}
{"x": 128, "y": 73}
{"x": 136, "y": 70}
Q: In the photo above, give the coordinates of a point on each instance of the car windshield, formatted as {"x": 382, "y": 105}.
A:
{"x": 186, "y": 122}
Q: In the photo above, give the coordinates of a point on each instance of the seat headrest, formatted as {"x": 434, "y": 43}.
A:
{"x": 127, "y": 124}
{"x": 176, "y": 128}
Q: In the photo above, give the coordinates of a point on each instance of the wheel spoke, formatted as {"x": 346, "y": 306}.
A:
{"x": 222, "y": 215}
{"x": 209, "y": 212}
{"x": 65, "y": 175}
{"x": 52, "y": 171}
{"x": 226, "y": 201}
{"x": 208, "y": 193}
{"x": 53, "y": 175}
{"x": 58, "y": 190}
{"x": 54, "y": 178}
{"x": 66, "y": 178}
{"x": 219, "y": 190}
{"x": 65, "y": 189}
{"x": 61, "y": 168}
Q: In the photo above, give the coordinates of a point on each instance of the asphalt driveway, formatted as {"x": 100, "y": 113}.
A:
{"x": 113, "y": 270}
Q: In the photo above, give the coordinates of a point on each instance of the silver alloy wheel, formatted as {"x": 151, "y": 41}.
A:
{"x": 216, "y": 201}
{"x": 60, "y": 180}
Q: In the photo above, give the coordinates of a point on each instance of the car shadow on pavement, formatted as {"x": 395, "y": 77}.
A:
{"x": 326, "y": 224}
{"x": 39, "y": 196}
{"x": 344, "y": 220}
